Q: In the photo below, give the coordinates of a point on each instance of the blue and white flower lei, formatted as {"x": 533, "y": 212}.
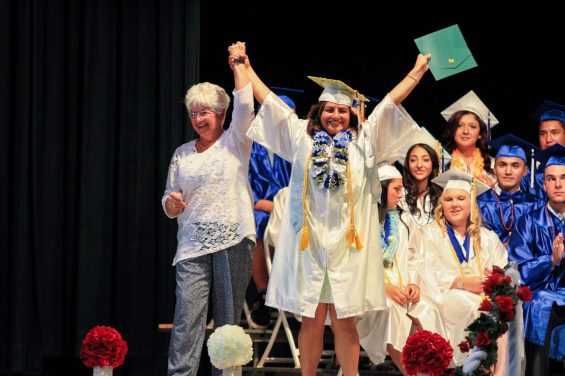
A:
{"x": 389, "y": 243}
{"x": 325, "y": 175}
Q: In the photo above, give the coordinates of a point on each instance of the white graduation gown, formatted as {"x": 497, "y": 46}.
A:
{"x": 376, "y": 329}
{"x": 459, "y": 308}
{"x": 355, "y": 276}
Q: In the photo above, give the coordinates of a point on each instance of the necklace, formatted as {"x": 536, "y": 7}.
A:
{"x": 462, "y": 254}
{"x": 387, "y": 278}
{"x": 509, "y": 227}
{"x": 467, "y": 269}
{"x": 329, "y": 159}
{"x": 477, "y": 165}
{"x": 389, "y": 237}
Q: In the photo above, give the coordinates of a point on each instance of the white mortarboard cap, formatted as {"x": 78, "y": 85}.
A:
{"x": 336, "y": 91}
{"x": 471, "y": 102}
{"x": 387, "y": 172}
{"x": 454, "y": 178}
{"x": 423, "y": 136}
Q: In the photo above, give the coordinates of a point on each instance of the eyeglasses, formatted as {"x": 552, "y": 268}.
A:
{"x": 202, "y": 114}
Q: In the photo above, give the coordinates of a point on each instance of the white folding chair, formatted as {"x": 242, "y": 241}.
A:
{"x": 269, "y": 239}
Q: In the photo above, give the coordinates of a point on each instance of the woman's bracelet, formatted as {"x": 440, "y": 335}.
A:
{"x": 412, "y": 77}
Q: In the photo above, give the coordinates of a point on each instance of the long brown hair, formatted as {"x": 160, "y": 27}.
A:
{"x": 482, "y": 142}
{"x": 412, "y": 193}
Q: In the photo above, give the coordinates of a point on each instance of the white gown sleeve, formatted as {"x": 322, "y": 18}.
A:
{"x": 277, "y": 127}
{"x": 391, "y": 130}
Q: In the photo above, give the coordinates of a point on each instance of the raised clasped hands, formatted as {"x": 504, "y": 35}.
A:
{"x": 237, "y": 48}
{"x": 237, "y": 54}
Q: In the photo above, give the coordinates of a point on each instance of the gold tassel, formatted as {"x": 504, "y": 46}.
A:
{"x": 358, "y": 243}
{"x": 304, "y": 239}
{"x": 474, "y": 209}
{"x": 353, "y": 238}
{"x": 351, "y": 235}
{"x": 438, "y": 152}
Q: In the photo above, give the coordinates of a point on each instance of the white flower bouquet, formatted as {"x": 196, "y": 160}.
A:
{"x": 230, "y": 346}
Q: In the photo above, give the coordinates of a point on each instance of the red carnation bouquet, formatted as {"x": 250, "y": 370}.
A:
{"x": 103, "y": 346}
{"x": 498, "y": 307}
{"x": 426, "y": 352}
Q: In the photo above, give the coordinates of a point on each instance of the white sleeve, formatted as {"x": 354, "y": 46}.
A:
{"x": 391, "y": 130}
{"x": 277, "y": 127}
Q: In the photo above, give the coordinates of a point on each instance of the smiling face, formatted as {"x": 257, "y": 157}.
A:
{"x": 468, "y": 131}
{"x": 335, "y": 118}
{"x": 420, "y": 164}
{"x": 509, "y": 172}
{"x": 456, "y": 206}
{"x": 206, "y": 123}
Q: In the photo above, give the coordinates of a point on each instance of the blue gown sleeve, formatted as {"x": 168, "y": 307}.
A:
{"x": 530, "y": 246}
{"x": 259, "y": 172}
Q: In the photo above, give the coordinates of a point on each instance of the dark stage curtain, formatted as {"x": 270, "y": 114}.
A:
{"x": 90, "y": 113}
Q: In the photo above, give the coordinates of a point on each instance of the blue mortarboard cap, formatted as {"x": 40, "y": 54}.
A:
{"x": 512, "y": 152}
{"x": 555, "y": 161}
{"x": 278, "y": 90}
{"x": 286, "y": 99}
{"x": 549, "y": 110}
{"x": 513, "y": 146}
{"x": 552, "y": 156}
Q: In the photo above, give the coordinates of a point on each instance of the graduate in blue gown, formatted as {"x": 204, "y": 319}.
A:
{"x": 551, "y": 131}
{"x": 502, "y": 207}
{"x": 536, "y": 245}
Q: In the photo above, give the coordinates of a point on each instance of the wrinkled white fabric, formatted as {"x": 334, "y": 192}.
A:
{"x": 458, "y": 307}
{"x": 215, "y": 187}
{"x": 356, "y": 276}
{"x": 376, "y": 329}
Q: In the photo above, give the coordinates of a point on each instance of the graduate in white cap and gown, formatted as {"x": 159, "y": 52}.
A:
{"x": 536, "y": 245}
{"x": 409, "y": 307}
{"x": 467, "y": 135}
{"x": 328, "y": 260}
{"x": 424, "y": 160}
{"x": 460, "y": 253}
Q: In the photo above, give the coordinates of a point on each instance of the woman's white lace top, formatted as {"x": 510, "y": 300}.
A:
{"x": 215, "y": 186}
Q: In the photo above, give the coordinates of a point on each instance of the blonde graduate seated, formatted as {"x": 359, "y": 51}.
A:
{"x": 461, "y": 254}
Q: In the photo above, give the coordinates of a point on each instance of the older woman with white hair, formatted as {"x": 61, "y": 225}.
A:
{"x": 208, "y": 192}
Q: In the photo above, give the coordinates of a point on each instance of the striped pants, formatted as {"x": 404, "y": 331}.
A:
{"x": 226, "y": 275}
